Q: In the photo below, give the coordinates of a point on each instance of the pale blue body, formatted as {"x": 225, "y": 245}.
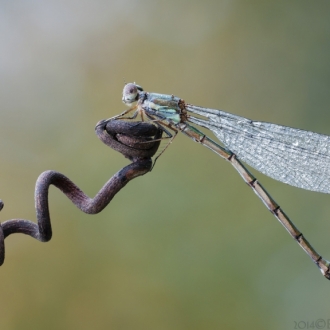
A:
{"x": 167, "y": 106}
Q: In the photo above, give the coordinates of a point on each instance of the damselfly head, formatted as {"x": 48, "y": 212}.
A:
{"x": 131, "y": 93}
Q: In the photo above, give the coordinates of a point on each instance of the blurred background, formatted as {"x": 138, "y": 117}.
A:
{"x": 189, "y": 245}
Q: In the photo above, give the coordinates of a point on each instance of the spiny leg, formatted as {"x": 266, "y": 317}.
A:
{"x": 160, "y": 124}
{"x": 120, "y": 116}
{"x": 141, "y": 114}
{"x": 155, "y": 119}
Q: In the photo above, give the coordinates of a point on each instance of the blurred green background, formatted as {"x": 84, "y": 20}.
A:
{"x": 188, "y": 246}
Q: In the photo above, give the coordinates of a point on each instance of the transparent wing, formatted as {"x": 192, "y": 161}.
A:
{"x": 293, "y": 156}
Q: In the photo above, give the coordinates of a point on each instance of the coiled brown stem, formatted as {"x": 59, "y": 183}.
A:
{"x": 137, "y": 141}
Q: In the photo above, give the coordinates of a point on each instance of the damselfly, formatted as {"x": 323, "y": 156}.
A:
{"x": 293, "y": 156}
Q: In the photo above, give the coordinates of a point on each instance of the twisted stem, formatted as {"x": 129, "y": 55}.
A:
{"x": 137, "y": 141}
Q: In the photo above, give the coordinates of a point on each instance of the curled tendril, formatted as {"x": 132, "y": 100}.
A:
{"x": 137, "y": 141}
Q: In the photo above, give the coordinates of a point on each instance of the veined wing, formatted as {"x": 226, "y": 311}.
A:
{"x": 293, "y": 156}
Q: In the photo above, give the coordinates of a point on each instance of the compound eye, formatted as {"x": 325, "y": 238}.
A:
{"x": 130, "y": 93}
